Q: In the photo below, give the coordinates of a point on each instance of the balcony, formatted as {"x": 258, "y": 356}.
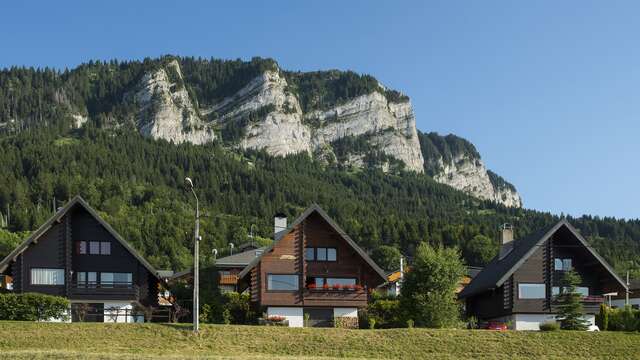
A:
{"x": 104, "y": 291}
{"x": 335, "y": 296}
{"x": 590, "y": 303}
{"x": 228, "y": 279}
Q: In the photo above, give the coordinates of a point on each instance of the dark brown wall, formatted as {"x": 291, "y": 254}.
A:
{"x": 53, "y": 251}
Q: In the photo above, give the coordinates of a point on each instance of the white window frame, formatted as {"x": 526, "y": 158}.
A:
{"x": 47, "y": 276}
{"x": 521, "y": 286}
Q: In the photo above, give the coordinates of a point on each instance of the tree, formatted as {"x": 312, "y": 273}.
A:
{"x": 479, "y": 250}
{"x": 428, "y": 293}
{"x": 569, "y": 305}
{"x": 387, "y": 257}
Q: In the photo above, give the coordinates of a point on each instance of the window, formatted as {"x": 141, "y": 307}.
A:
{"x": 341, "y": 281}
{"x": 94, "y": 248}
{"x": 531, "y": 291}
{"x": 282, "y": 282}
{"x": 81, "y": 247}
{"x": 105, "y": 248}
{"x": 321, "y": 254}
{"x": 562, "y": 264}
{"x": 47, "y": 276}
{"x": 115, "y": 279}
{"x": 582, "y": 290}
{"x": 309, "y": 253}
{"x": 331, "y": 254}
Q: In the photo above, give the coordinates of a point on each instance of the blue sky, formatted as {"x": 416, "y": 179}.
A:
{"x": 546, "y": 90}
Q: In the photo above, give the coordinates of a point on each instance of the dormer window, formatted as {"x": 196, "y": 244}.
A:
{"x": 562, "y": 264}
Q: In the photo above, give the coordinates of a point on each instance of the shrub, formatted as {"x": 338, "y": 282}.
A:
{"x": 626, "y": 319}
{"x": 549, "y": 326}
{"x": 602, "y": 319}
{"x": 385, "y": 312}
{"x": 237, "y": 309}
{"x": 472, "y": 323}
{"x": 33, "y": 307}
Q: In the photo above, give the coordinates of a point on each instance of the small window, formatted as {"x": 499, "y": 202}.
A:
{"x": 81, "y": 247}
{"x": 105, "y": 248}
{"x": 557, "y": 264}
{"x": 331, "y": 254}
{"x": 309, "y": 254}
{"x": 47, "y": 276}
{"x": 555, "y": 291}
{"x": 341, "y": 281}
{"x": 566, "y": 265}
{"x": 94, "y": 247}
{"x": 282, "y": 282}
{"x": 531, "y": 291}
{"x": 106, "y": 279}
{"x": 319, "y": 282}
{"x": 321, "y": 254}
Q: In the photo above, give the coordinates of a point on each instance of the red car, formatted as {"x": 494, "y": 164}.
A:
{"x": 495, "y": 325}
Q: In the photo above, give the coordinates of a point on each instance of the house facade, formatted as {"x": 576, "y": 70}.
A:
{"x": 520, "y": 286}
{"x": 313, "y": 275}
{"x": 77, "y": 255}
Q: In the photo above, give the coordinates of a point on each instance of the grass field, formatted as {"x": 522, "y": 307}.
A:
{"x": 25, "y": 340}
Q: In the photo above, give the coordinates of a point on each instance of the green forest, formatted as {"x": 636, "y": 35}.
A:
{"x": 137, "y": 185}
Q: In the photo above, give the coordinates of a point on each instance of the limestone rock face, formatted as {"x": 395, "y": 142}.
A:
{"x": 166, "y": 110}
{"x": 469, "y": 174}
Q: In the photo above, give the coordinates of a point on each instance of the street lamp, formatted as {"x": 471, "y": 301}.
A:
{"x": 196, "y": 276}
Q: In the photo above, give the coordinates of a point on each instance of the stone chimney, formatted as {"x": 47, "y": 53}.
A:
{"x": 506, "y": 244}
{"x": 279, "y": 223}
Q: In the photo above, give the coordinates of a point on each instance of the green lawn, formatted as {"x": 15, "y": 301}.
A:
{"x": 25, "y": 340}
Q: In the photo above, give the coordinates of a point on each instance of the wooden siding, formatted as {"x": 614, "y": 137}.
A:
{"x": 287, "y": 257}
{"x": 56, "y": 248}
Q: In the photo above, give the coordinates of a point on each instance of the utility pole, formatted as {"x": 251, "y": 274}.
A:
{"x": 626, "y": 301}
{"x": 196, "y": 260}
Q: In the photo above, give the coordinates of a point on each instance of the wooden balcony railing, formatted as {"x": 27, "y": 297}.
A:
{"x": 125, "y": 290}
{"x": 228, "y": 279}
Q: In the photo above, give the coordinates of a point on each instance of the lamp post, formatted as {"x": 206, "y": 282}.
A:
{"x": 196, "y": 275}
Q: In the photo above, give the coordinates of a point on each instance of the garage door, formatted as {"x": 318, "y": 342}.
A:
{"x": 322, "y": 317}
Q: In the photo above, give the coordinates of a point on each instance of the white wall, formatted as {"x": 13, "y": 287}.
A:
{"x": 533, "y": 321}
{"x": 345, "y": 312}
{"x": 293, "y": 314}
{"x": 116, "y": 312}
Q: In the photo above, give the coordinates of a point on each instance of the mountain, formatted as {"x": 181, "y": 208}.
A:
{"x": 339, "y": 117}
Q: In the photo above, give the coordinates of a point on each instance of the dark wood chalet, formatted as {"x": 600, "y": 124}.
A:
{"x": 77, "y": 255}
{"x": 520, "y": 285}
{"x": 313, "y": 274}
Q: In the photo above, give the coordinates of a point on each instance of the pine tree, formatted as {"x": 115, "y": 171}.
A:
{"x": 570, "y": 308}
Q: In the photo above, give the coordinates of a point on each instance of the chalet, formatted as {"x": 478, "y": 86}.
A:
{"x": 520, "y": 285}
{"x": 77, "y": 255}
{"x": 620, "y": 300}
{"x": 313, "y": 274}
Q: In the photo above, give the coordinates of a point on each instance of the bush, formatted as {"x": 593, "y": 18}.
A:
{"x": 550, "y": 326}
{"x": 33, "y": 307}
{"x": 626, "y": 319}
{"x": 385, "y": 312}
{"x": 237, "y": 309}
{"x": 602, "y": 319}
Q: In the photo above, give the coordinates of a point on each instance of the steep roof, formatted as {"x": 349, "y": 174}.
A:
{"x": 76, "y": 201}
{"x": 315, "y": 208}
{"x": 499, "y": 270}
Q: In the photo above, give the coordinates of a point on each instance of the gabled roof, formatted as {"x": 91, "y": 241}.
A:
{"x": 78, "y": 200}
{"x": 310, "y": 210}
{"x": 499, "y": 270}
{"x": 240, "y": 259}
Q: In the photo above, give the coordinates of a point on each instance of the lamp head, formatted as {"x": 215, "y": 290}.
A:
{"x": 188, "y": 182}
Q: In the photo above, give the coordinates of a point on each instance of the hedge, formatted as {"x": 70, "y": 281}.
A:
{"x": 33, "y": 307}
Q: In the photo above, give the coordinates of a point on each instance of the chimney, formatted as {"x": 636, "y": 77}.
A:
{"x": 507, "y": 240}
{"x": 279, "y": 223}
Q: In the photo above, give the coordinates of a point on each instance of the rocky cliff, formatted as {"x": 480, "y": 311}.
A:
{"x": 455, "y": 161}
{"x": 166, "y": 110}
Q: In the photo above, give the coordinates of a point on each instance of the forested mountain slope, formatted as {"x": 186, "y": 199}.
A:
{"x": 337, "y": 117}
{"x": 136, "y": 183}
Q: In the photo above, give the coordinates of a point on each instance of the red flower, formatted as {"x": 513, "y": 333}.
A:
{"x": 325, "y": 286}
{"x": 350, "y": 287}
{"x": 311, "y": 286}
{"x": 336, "y": 286}
{"x": 358, "y": 287}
